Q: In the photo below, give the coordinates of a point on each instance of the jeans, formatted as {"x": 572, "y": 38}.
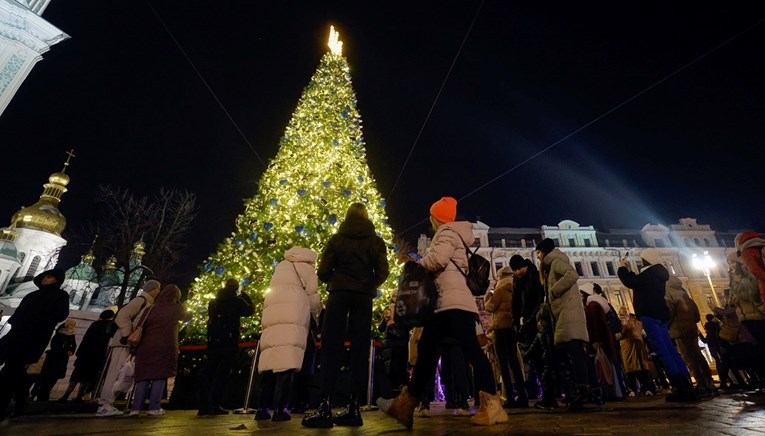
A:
{"x": 662, "y": 344}
{"x": 154, "y": 393}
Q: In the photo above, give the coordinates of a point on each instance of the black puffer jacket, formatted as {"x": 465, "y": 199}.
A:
{"x": 649, "y": 289}
{"x": 527, "y": 298}
{"x": 354, "y": 259}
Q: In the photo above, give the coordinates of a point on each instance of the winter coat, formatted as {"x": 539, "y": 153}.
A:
{"x": 500, "y": 303}
{"x": 223, "y": 327}
{"x": 683, "y": 312}
{"x": 649, "y": 290}
{"x": 745, "y": 294}
{"x": 447, "y": 246}
{"x": 634, "y": 353}
{"x": 713, "y": 336}
{"x": 751, "y": 244}
{"x": 157, "y": 354}
{"x": 91, "y": 354}
{"x": 287, "y": 310}
{"x": 528, "y": 294}
{"x": 34, "y": 320}
{"x": 127, "y": 318}
{"x": 598, "y": 331}
{"x": 58, "y": 355}
{"x": 355, "y": 259}
{"x": 564, "y": 297}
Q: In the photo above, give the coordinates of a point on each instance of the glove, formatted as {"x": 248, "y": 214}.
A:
{"x": 123, "y": 340}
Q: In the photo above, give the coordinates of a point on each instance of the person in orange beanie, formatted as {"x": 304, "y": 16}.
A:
{"x": 454, "y": 316}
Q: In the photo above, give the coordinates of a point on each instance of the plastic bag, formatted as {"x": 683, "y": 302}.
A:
{"x": 125, "y": 376}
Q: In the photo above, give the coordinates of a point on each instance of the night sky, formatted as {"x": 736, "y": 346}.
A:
{"x": 123, "y": 95}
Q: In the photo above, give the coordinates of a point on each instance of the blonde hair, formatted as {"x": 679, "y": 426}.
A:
{"x": 357, "y": 210}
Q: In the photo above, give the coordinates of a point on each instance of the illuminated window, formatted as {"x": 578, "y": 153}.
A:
{"x": 619, "y": 298}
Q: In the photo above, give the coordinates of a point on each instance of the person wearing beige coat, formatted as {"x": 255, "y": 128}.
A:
{"x": 455, "y": 316}
{"x": 287, "y": 311}
{"x": 570, "y": 322}
{"x": 500, "y": 304}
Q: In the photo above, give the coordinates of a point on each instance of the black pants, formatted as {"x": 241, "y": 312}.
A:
{"x": 275, "y": 389}
{"x": 214, "y": 378}
{"x": 13, "y": 384}
{"x": 348, "y": 314}
{"x": 399, "y": 355}
{"x": 460, "y": 325}
{"x": 506, "y": 344}
{"x": 301, "y": 381}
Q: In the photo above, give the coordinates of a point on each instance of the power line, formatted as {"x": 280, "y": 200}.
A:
{"x": 603, "y": 115}
{"x": 417, "y": 139}
{"x": 199, "y": 74}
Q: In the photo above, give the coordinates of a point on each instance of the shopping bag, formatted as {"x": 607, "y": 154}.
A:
{"x": 416, "y": 297}
{"x": 125, "y": 376}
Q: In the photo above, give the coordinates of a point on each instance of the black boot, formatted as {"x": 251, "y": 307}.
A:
{"x": 581, "y": 396}
{"x": 522, "y": 402}
{"x": 682, "y": 390}
{"x": 351, "y": 416}
{"x": 322, "y": 418}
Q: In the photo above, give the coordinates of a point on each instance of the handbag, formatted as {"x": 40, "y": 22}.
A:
{"x": 728, "y": 333}
{"x": 416, "y": 297}
{"x": 135, "y": 337}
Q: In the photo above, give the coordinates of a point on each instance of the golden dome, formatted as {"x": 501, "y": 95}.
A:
{"x": 59, "y": 179}
{"x": 42, "y": 215}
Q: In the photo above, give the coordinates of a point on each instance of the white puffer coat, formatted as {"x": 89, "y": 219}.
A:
{"x": 287, "y": 309}
{"x": 447, "y": 245}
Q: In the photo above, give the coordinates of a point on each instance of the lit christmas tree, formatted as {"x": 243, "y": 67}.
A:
{"x": 319, "y": 171}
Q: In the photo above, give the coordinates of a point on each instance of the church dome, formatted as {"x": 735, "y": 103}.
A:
{"x": 59, "y": 179}
{"x": 42, "y": 215}
{"x": 8, "y": 251}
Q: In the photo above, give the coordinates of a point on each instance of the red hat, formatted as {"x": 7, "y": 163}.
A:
{"x": 444, "y": 210}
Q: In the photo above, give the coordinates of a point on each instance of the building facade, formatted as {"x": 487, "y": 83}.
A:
{"x": 596, "y": 254}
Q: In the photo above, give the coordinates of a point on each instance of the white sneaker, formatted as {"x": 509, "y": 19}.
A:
{"x": 134, "y": 413}
{"x": 158, "y": 412}
{"x": 632, "y": 394}
{"x": 105, "y": 410}
{"x": 648, "y": 393}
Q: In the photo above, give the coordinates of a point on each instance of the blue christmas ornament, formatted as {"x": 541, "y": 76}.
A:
{"x": 378, "y": 233}
{"x": 253, "y": 236}
{"x": 219, "y": 270}
{"x": 299, "y": 228}
{"x": 384, "y": 221}
{"x": 360, "y": 179}
{"x": 283, "y": 182}
{"x": 239, "y": 242}
{"x": 245, "y": 281}
{"x": 332, "y": 219}
{"x": 382, "y": 203}
{"x": 347, "y": 108}
{"x": 344, "y": 114}
{"x": 274, "y": 202}
{"x": 208, "y": 267}
{"x": 301, "y": 192}
{"x": 379, "y": 294}
{"x": 346, "y": 192}
{"x": 326, "y": 183}
{"x": 359, "y": 142}
{"x": 268, "y": 226}
{"x": 396, "y": 248}
{"x": 274, "y": 263}
{"x": 335, "y": 142}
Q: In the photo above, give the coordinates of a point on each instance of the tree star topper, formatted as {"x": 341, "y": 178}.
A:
{"x": 335, "y": 45}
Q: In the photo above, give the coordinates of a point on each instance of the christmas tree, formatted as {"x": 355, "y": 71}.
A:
{"x": 302, "y": 197}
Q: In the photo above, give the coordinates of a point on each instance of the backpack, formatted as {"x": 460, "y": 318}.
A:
{"x": 479, "y": 269}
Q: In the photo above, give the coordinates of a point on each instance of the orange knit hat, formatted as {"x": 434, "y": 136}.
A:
{"x": 444, "y": 210}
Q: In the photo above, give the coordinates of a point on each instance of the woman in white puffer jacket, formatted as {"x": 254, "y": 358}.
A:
{"x": 287, "y": 310}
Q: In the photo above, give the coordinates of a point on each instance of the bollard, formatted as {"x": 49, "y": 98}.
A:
{"x": 370, "y": 386}
{"x": 245, "y": 410}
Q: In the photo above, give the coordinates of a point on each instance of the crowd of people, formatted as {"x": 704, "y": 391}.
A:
{"x": 550, "y": 341}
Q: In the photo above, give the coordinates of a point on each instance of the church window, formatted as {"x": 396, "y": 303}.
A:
{"x": 587, "y": 242}
{"x": 571, "y": 242}
{"x": 706, "y": 242}
{"x": 22, "y": 256}
{"x": 33, "y": 267}
{"x": 595, "y": 268}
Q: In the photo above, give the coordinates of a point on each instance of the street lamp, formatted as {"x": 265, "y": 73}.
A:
{"x": 703, "y": 264}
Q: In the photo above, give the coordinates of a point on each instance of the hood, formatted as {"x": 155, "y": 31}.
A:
{"x": 463, "y": 228}
{"x": 658, "y": 269}
{"x": 751, "y": 239}
{"x": 555, "y": 254}
{"x": 59, "y": 274}
{"x": 357, "y": 228}
{"x": 300, "y": 254}
{"x": 674, "y": 283}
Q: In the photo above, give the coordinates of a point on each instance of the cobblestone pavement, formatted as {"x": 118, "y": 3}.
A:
{"x": 737, "y": 414}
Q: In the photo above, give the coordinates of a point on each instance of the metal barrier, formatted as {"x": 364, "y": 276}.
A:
{"x": 245, "y": 410}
